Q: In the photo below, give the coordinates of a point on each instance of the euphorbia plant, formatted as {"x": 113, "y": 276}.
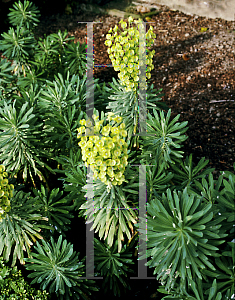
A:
{"x": 125, "y": 56}
{"x": 106, "y": 155}
{"x": 188, "y": 218}
{"x": 124, "y": 53}
{"x": 6, "y": 192}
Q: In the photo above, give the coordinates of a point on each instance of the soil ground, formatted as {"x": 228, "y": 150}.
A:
{"x": 200, "y": 89}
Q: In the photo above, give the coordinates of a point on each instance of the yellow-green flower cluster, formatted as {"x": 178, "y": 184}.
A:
{"x": 6, "y": 192}
{"x": 124, "y": 53}
{"x": 105, "y": 152}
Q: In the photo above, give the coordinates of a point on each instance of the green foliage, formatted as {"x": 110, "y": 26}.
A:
{"x": 190, "y": 214}
{"x": 220, "y": 288}
{"x": 53, "y": 208}
{"x": 164, "y": 136}
{"x": 75, "y": 59}
{"x": 56, "y": 265}
{"x": 18, "y": 44}
{"x": 75, "y": 177}
{"x": 186, "y": 174}
{"x": 109, "y": 210}
{"x": 20, "y": 136}
{"x": 112, "y": 265}
{"x": 181, "y": 234}
{"x": 62, "y": 103}
{"x": 126, "y": 105}
{"x": 221, "y": 193}
{"x": 14, "y": 286}
{"x": 197, "y": 292}
{"x": 18, "y": 229}
{"x": 6, "y": 78}
{"x": 225, "y": 272}
{"x": 50, "y": 56}
{"x": 157, "y": 179}
{"x": 226, "y": 198}
{"x": 24, "y": 15}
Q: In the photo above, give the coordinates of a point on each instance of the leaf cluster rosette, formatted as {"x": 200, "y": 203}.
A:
{"x": 18, "y": 230}
{"x": 24, "y": 15}
{"x": 217, "y": 285}
{"x": 56, "y": 265}
{"x": 112, "y": 265}
{"x": 110, "y": 211}
{"x": 124, "y": 52}
{"x": 106, "y": 151}
{"x": 54, "y": 208}
{"x": 20, "y": 135}
{"x": 182, "y": 232}
{"x": 127, "y": 106}
{"x": 199, "y": 292}
{"x": 163, "y": 138}
{"x": 6, "y": 192}
{"x": 6, "y": 79}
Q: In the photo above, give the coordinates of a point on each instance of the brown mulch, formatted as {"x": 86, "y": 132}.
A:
{"x": 200, "y": 89}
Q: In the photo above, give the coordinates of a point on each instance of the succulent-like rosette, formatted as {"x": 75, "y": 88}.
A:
{"x": 105, "y": 152}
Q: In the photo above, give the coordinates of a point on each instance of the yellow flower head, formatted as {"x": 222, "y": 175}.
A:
{"x": 102, "y": 175}
{"x": 115, "y": 29}
{"x": 113, "y": 162}
{"x": 101, "y": 150}
{"x": 80, "y": 131}
{"x": 122, "y": 126}
{"x": 123, "y": 24}
{"x": 82, "y": 122}
{"x": 110, "y": 145}
{"x": 93, "y": 167}
{"x": 106, "y": 154}
{"x": 115, "y": 138}
{"x": 117, "y": 160}
{"x": 103, "y": 167}
{"x": 130, "y": 19}
{"x": 123, "y": 133}
{"x": 82, "y": 143}
{"x": 116, "y": 153}
{"x": 98, "y": 161}
{"x": 95, "y": 173}
{"x": 122, "y": 142}
{"x": 118, "y": 119}
{"x": 99, "y": 143}
{"x": 108, "y": 162}
{"x": 89, "y": 144}
{"x": 106, "y": 130}
{"x": 118, "y": 175}
{"x": 105, "y": 139}
{"x": 90, "y": 160}
{"x": 115, "y": 130}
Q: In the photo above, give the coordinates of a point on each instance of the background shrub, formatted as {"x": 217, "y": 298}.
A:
{"x": 14, "y": 286}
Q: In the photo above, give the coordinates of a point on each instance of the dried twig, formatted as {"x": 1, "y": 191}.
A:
{"x": 216, "y": 101}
